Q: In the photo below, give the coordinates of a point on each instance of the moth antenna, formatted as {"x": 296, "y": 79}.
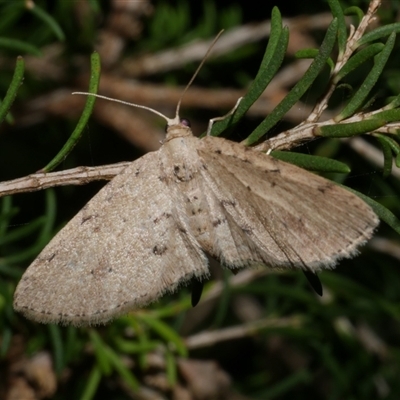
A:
{"x": 195, "y": 74}
{"x": 169, "y": 120}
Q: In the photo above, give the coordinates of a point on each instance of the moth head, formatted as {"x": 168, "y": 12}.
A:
{"x": 180, "y": 129}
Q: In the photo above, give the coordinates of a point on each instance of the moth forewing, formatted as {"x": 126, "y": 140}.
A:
{"x": 292, "y": 216}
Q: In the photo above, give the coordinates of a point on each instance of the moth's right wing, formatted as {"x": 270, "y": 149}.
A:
{"x": 121, "y": 251}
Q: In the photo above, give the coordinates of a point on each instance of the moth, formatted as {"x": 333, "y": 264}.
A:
{"x": 151, "y": 228}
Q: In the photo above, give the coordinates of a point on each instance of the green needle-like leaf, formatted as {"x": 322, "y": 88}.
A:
{"x": 312, "y": 53}
{"x": 350, "y": 129}
{"x": 272, "y": 60}
{"x": 92, "y": 384}
{"x": 165, "y": 332}
{"x": 13, "y": 88}
{"x": 300, "y": 88}
{"x": 99, "y": 347}
{"x": 47, "y": 19}
{"x": 58, "y": 347}
{"x": 381, "y": 211}
{"x": 19, "y": 46}
{"x": 358, "y": 59}
{"x": 387, "y": 156}
{"x": 337, "y": 12}
{"x": 394, "y": 146}
{"x": 369, "y": 82}
{"x": 77, "y": 133}
{"x": 379, "y": 33}
{"x": 312, "y": 163}
{"x": 123, "y": 371}
{"x": 355, "y": 11}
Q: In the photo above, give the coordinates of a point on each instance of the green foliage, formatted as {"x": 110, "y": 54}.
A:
{"x": 87, "y": 111}
{"x": 174, "y": 23}
{"x": 12, "y": 90}
{"x": 300, "y": 88}
{"x": 270, "y": 64}
{"x": 312, "y": 163}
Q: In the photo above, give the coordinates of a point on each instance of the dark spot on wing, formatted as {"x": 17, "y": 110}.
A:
{"x": 181, "y": 173}
{"x": 197, "y": 211}
{"x": 248, "y": 188}
{"x": 218, "y": 222}
{"x": 228, "y": 203}
{"x": 161, "y": 217}
{"x": 87, "y": 218}
{"x": 325, "y": 187}
{"x": 183, "y": 230}
{"x": 159, "y": 250}
{"x": 247, "y": 230}
{"x": 218, "y": 151}
{"x": 51, "y": 257}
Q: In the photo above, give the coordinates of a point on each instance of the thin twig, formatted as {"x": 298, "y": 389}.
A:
{"x": 210, "y": 338}
{"x": 74, "y": 176}
{"x": 386, "y": 246}
{"x": 354, "y": 36}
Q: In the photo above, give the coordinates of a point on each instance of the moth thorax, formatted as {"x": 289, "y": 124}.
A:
{"x": 176, "y": 131}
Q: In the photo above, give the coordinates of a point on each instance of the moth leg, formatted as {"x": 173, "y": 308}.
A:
{"x": 314, "y": 281}
{"x": 228, "y": 114}
{"x": 197, "y": 290}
